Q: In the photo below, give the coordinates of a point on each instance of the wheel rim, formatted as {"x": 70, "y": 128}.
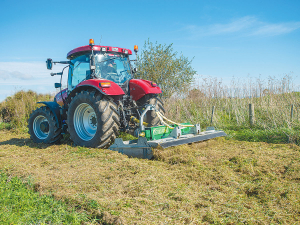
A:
{"x": 41, "y": 127}
{"x": 85, "y": 121}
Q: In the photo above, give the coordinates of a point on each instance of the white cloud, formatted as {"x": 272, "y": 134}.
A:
{"x": 232, "y": 27}
{"x": 245, "y": 26}
{"x": 15, "y": 76}
{"x": 276, "y": 29}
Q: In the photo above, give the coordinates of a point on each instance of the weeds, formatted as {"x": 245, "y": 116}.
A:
{"x": 20, "y": 204}
{"x": 273, "y": 102}
{"x": 6, "y": 126}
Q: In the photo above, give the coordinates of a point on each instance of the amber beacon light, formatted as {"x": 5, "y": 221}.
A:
{"x": 91, "y": 42}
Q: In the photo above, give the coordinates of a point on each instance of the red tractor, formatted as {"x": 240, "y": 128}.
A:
{"x": 102, "y": 98}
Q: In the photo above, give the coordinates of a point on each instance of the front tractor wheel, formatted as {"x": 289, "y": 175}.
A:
{"x": 92, "y": 121}
{"x": 42, "y": 126}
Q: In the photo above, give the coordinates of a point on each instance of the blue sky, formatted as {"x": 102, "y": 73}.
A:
{"x": 227, "y": 39}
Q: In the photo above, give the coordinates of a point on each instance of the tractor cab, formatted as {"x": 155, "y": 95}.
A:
{"x": 110, "y": 66}
{"x": 99, "y": 62}
{"x": 94, "y": 65}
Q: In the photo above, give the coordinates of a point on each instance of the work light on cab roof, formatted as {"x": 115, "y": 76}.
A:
{"x": 97, "y": 48}
{"x": 103, "y": 97}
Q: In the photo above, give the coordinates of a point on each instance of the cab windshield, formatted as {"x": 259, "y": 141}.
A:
{"x": 114, "y": 67}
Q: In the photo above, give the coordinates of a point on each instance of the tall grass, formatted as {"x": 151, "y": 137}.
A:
{"x": 15, "y": 110}
{"x": 272, "y": 100}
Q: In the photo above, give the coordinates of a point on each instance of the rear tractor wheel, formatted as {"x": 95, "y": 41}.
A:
{"x": 42, "y": 126}
{"x": 151, "y": 117}
{"x": 93, "y": 121}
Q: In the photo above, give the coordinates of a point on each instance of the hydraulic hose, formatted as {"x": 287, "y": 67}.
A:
{"x": 161, "y": 117}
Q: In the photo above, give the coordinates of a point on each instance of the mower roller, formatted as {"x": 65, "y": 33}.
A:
{"x": 103, "y": 98}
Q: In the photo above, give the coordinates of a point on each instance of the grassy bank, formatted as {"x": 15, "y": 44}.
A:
{"x": 219, "y": 181}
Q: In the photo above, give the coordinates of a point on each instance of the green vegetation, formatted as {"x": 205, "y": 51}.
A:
{"x": 15, "y": 110}
{"x": 272, "y": 106}
{"x": 20, "y": 204}
{"x": 215, "y": 182}
{"x": 272, "y": 102}
{"x": 159, "y": 63}
{"x": 5, "y": 126}
{"x": 234, "y": 180}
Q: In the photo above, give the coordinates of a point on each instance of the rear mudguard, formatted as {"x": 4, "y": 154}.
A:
{"x": 139, "y": 88}
{"x": 55, "y": 109}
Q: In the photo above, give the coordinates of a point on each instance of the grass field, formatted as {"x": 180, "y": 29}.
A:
{"x": 218, "y": 181}
{"x": 250, "y": 177}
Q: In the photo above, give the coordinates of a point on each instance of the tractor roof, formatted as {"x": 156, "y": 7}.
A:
{"x": 97, "y": 48}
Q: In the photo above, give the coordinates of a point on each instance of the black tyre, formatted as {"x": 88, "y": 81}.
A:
{"x": 42, "y": 126}
{"x": 151, "y": 117}
{"x": 93, "y": 120}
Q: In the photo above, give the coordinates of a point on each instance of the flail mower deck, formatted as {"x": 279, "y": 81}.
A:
{"x": 142, "y": 148}
{"x": 164, "y": 136}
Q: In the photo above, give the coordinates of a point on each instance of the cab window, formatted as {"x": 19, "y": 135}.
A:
{"x": 80, "y": 70}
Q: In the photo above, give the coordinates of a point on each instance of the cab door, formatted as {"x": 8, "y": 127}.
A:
{"x": 79, "y": 71}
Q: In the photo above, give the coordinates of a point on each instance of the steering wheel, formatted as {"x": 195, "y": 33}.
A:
{"x": 112, "y": 76}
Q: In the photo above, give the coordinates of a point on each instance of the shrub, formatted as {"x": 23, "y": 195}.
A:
{"x": 16, "y": 109}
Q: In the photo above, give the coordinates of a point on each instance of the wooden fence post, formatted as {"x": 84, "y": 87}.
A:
{"x": 212, "y": 115}
{"x": 251, "y": 114}
{"x": 292, "y": 112}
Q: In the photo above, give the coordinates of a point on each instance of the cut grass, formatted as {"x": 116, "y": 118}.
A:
{"x": 219, "y": 181}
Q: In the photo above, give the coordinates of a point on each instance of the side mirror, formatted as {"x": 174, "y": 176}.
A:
{"x": 134, "y": 70}
{"x": 57, "y": 85}
{"x": 49, "y": 64}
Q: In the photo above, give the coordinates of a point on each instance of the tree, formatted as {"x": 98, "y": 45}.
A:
{"x": 159, "y": 63}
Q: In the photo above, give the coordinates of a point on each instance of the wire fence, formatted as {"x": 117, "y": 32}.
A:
{"x": 267, "y": 105}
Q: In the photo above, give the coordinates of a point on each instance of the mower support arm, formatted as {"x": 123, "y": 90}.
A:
{"x": 149, "y": 107}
